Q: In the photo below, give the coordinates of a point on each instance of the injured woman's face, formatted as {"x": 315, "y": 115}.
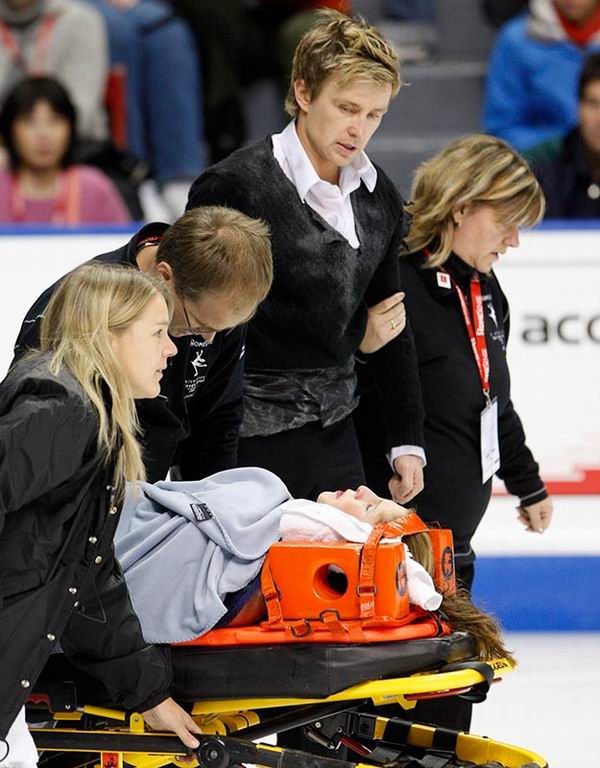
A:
{"x": 363, "y": 504}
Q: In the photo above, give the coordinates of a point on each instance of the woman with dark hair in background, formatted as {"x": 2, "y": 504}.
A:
{"x": 43, "y": 185}
{"x": 470, "y": 202}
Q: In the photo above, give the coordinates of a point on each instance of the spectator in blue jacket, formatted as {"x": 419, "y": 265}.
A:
{"x": 534, "y": 70}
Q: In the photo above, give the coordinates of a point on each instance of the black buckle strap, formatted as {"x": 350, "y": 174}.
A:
{"x": 479, "y": 691}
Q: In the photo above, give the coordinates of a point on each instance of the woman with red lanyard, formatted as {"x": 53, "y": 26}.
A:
{"x": 38, "y": 129}
{"x": 470, "y": 202}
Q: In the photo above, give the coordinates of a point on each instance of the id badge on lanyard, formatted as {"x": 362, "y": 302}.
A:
{"x": 490, "y": 446}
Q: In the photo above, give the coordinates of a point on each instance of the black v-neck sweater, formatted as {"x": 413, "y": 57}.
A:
{"x": 315, "y": 315}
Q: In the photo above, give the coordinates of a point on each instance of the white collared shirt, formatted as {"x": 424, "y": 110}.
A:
{"x": 331, "y": 201}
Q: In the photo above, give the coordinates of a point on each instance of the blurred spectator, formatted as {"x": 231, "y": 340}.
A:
{"x": 568, "y": 168}
{"x": 65, "y": 39}
{"x": 164, "y": 103}
{"x": 532, "y": 80}
{"x": 410, "y": 26}
{"x": 498, "y": 12}
{"x": 37, "y": 126}
{"x": 409, "y": 10}
{"x": 240, "y": 43}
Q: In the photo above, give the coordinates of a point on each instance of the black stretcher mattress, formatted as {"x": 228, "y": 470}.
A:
{"x": 294, "y": 670}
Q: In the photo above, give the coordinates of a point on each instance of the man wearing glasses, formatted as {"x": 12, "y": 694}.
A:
{"x": 218, "y": 265}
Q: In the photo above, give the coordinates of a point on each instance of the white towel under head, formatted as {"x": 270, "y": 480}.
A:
{"x": 303, "y": 520}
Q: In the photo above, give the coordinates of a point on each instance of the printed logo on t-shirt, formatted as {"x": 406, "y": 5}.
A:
{"x": 496, "y": 332}
{"x": 197, "y": 366}
{"x": 198, "y": 362}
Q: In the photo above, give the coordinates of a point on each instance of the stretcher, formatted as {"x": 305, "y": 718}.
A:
{"x": 325, "y": 660}
{"x": 81, "y": 728}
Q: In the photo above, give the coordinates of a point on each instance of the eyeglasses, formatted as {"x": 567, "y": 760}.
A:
{"x": 189, "y": 329}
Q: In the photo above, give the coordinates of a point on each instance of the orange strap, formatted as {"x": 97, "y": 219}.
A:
{"x": 271, "y": 595}
{"x": 334, "y": 624}
{"x": 421, "y": 625}
{"x": 367, "y": 588}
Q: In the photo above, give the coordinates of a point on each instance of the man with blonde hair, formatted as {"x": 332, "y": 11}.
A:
{"x": 218, "y": 267}
{"x": 337, "y": 224}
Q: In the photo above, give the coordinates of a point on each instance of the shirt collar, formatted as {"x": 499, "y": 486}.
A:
{"x": 303, "y": 174}
{"x": 460, "y": 272}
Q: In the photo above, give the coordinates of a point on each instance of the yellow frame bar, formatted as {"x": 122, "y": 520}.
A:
{"x": 469, "y": 747}
{"x": 379, "y": 691}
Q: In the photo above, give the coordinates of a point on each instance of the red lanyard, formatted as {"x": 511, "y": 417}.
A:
{"x": 8, "y": 41}
{"x": 66, "y": 207}
{"x": 476, "y": 330}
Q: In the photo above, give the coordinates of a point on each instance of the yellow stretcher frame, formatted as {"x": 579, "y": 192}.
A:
{"x": 379, "y": 691}
{"x": 127, "y": 743}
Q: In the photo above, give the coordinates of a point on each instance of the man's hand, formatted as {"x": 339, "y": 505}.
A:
{"x": 408, "y": 480}
{"x": 536, "y": 517}
{"x": 385, "y": 321}
{"x": 169, "y": 716}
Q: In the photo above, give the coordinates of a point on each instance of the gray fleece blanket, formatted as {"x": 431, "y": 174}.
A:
{"x": 183, "y": 546}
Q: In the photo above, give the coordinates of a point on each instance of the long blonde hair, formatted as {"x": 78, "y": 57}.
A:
{"x": 463, "y": 615}
{"x": 92, "y": 302}
{"x": 473, "y": 170}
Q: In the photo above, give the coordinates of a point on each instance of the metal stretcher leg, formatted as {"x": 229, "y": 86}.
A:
{"x": 214, "y": 751}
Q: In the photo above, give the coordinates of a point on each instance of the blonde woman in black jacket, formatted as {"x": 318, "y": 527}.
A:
{"x": 68, "y": 446}
{"x": 470, "y": 202}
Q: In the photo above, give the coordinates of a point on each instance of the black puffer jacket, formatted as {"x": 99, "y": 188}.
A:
{"x": 59, "y": 580}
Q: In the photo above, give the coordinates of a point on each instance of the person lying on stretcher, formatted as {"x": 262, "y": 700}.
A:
{"x": 192, "y": 552}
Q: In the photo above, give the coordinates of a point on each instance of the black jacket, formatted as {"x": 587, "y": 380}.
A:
{"x": 454, "y": 494}
{"x": 59, "y": 580}
{"x": 194, "y": 423}
{"x": 565, "y": 175}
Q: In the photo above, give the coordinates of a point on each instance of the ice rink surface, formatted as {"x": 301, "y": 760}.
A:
{"x": 551, "y": 704}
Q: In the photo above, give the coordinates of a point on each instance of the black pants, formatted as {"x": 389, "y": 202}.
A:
{"x": 310, "y": 459}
